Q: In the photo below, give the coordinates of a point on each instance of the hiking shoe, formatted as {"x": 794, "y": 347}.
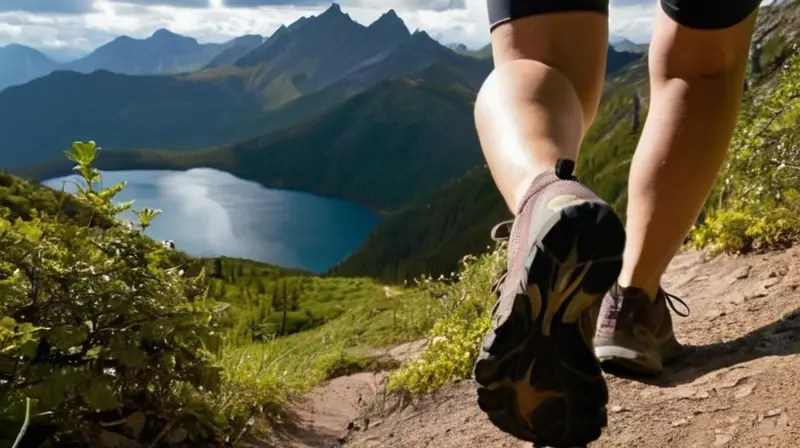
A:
{"x": 634, "y": 333}
{"x": 538, "y": 378}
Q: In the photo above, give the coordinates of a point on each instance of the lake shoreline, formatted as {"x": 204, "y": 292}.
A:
{"x": 238, "y": 218}
{"x": 164, "y": 160}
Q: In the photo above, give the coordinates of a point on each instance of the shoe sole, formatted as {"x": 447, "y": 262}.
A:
{"x": 537, "y": 378}
{"x": 627, "y": 363}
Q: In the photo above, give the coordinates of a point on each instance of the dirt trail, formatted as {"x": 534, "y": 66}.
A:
{"x": 737, "y": 386}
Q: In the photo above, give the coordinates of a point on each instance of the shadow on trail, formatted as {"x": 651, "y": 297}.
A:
{"x": 781, "y": 338}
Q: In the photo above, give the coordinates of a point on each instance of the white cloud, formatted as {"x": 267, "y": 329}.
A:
{"x": 110, "y": 19}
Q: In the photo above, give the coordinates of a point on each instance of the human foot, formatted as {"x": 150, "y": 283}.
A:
{"x": 538, "y": 377}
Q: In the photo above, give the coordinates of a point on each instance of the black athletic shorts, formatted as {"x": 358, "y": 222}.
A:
{"x": 700, "y": 14}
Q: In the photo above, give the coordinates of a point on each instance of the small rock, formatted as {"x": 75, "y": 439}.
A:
{"x": 681, "y": 422}
{"x": 733, "y": 382}
{"x": 755, "y": 295}
{"x": 773, "y": 413}
{"x": 741, "y": 273}
{"x": 743, "y": 391}
{"x": 701, "y": 395}
{"x": 616, "y": 409}
{"x": 721, "y": 439}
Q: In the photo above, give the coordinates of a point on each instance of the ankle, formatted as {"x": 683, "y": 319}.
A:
{"x": 650, "y": 288}
{"x": 562, "y": 169}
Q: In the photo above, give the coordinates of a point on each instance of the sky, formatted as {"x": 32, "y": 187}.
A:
{"x": 67, "y": 28}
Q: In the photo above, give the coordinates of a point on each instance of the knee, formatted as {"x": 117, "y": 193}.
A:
{"x": 679, "y": 51}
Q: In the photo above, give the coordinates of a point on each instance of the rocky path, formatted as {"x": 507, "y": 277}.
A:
{"x": 737, "y": 386}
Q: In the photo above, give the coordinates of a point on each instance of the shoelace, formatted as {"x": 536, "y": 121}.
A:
{"x": 671, "y": 299}
{"x": 502, "y": 232}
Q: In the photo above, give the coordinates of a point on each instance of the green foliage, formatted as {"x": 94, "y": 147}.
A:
{"x": 455, "y": 338}
{"x": 97, "y": 324}
{"x": 756, "y": 202}
{"x": 28, "y": 201}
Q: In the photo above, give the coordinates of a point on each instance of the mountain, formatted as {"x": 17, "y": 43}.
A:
{"x": 381, "y": 148}
{"x": 162, "y": 52}
{"x": 484, "y": 52}
{"x": 457, "y": 47}
{"x": 298, "y": 72}
{"x": 118, "y": 110}
{"x": 629, "y": 46}
{"x": 19, "y": 64}
{"x": 317, "y": 52}
{"x": 235, "y": 49}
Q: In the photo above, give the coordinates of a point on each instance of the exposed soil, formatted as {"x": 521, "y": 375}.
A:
{"x": 736, "y": 386}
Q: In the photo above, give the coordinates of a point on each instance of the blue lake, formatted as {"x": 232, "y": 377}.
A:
{"x": 209, "y": 212}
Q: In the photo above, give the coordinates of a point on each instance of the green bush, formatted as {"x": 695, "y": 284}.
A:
{"x": 455, "y": 339}
{"x": 103, "y": 334}
{"x": 757, "y": 199}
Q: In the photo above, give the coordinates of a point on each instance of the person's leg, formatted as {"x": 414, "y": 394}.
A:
{"x": 697, "y": 65}
{"x": 538, "y": 102}
{"x": 538, "y": 377}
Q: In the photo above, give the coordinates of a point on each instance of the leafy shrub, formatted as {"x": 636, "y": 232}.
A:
{"x": 755, "y": 205}
{"x": 100, "y": 331}
{"x": 455, "y": 338}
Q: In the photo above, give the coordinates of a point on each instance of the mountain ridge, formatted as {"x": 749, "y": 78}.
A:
{"x": 163, "y": 52}
{"x": 240, "y": 102}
